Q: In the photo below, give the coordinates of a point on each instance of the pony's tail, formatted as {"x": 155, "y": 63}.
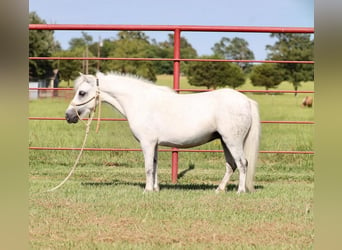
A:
{"x": 251, "y": 146}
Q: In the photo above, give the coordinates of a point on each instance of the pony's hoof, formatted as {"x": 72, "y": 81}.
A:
{"x": 219, "y": 190}
{"x": 241, "y": 191}
{"x": 155, "y": 189}
{"x": 146, "y": 191}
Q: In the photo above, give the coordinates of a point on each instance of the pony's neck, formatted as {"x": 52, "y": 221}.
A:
{"x": 121, "y": 85}
{"x": 109, "y": 94}
{"x": 125, "y": 93}
{"x": 105, "y": 97}
{"x": 119, "y": 91}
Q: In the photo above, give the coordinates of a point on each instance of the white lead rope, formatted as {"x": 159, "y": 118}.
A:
{"x": 97, "y": 98}
{"x": 79, "y": 155}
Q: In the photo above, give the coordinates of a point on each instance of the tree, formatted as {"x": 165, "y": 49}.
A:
{"x": 215, "y": 74}
{"x": 81, "y": 45}
{"x": 69, "y": 68}
{"x": 106, "y": 50}
{"x": 162, "y": 50}
{"x": 266, "y": 75}
{"x": 293, "y": 47}
{"x": 78, "y": 47}
{"x": 234, "y": 49}
{"x": 132, "y": 44}
{"x": 166, "y": 50}
{"x": 41, "y": 44}
{"x": 80, "y": 42}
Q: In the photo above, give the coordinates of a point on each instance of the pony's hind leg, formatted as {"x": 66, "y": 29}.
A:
{"x": 226, "y": 177}
{"x": 230, "y": 168}
{"x": 242, "y": 166}
{"x": 236, "y": 152}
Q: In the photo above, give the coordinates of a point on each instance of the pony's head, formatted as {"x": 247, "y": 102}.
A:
{"x": 85, "y": 99}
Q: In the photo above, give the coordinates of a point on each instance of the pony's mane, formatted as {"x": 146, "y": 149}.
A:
{"x": 127, "y": 75}
{"x": 136, "y": 79}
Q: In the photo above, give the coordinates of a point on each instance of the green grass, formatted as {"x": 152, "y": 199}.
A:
{"x": 102, "y": 206}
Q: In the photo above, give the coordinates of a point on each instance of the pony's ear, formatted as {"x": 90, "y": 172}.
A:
{"x": 83, "y": 76}
{"x": 88, "y": 78}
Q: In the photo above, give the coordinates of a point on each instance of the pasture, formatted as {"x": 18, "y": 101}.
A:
{"x": 102, "y": 206}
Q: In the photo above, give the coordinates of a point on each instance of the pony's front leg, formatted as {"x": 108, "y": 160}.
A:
{"x": 149, "y": 151}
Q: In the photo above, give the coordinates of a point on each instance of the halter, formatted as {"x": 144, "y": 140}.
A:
{"x": 97, "y": 98}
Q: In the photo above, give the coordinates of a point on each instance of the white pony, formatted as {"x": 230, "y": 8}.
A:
{"x": 159, "y": 116}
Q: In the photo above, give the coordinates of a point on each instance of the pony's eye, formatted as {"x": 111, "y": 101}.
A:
{"x": 82, "y": 93}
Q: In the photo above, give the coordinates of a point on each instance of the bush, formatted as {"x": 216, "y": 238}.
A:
{"x": 215, "y": 74}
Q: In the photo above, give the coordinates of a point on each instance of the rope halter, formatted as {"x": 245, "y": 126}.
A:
{"x": 93, "y": 110}
{"x": 97, "y": 95}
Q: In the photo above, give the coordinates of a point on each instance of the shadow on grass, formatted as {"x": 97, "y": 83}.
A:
{"x": 177, "y": 186}
{"x": 181, "y": 174}
{"x": 171, "y": 186}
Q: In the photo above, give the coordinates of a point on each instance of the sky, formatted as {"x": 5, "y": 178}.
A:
{"x": 284, "y": 13}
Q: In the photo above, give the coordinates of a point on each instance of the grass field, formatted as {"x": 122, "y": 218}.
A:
{"x": 102, "y": 206}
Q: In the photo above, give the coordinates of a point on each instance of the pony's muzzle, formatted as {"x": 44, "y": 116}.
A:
{"x": 71, "y": 116}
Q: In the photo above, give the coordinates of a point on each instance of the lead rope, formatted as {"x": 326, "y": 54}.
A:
{"x": 78, "y": 157}
{"x": 99, "y": 112}
{"x": 85, "y": 136}
{"x": 98, "y": 99}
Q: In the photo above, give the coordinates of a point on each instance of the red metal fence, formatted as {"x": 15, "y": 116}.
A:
{"x": 176, "y": 29}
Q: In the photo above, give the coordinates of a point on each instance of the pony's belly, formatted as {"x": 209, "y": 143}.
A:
{"x": 188, "y": 142}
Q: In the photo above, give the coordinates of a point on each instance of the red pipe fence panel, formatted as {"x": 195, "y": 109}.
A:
{"x": 176, "y": 29}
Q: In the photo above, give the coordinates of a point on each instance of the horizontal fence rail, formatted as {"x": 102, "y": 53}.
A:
{"x": 169, "y": 150}
{"x": 165, "y": 59}
{"x": 176, "y": 29}
{"x": 198, "y": 28}
{"x": 123, "y": 119}
{"x": 205, "y": 90}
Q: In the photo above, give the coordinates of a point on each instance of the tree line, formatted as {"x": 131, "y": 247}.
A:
{"x": 136, "y": 44}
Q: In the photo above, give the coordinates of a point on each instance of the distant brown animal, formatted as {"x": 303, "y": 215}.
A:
{"x": 307, "y": 101}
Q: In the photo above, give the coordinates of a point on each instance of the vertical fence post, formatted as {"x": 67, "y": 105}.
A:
{"x": 176, "y": 79}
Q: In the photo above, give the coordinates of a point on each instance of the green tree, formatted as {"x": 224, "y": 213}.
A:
{"x": 78, "y": 47}
{"x": 234, "y": 49}
{"x": 132, "y": 44}
{"x": 106, "y": 50}
{"x": 166, "y": 50}
{"x": 162, "y": 50}
{"x": 41, "y": 44}
{"x": 266, "y": 75}
{"x": 215, "y": 74}
{"x": 293, "y": 47}
{"x": 69, "y": 68}
{"x": 81, "y": 47}
{"x": 80, "y": 42}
